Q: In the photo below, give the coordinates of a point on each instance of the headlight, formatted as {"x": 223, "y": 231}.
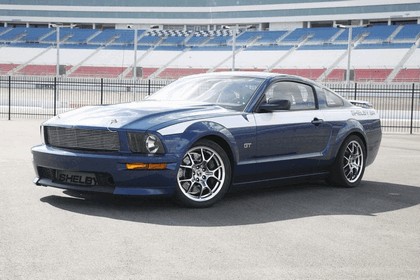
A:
{"x": 145, "y": 143}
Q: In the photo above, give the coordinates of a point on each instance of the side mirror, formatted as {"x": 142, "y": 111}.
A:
{"x": 275, "y": 105}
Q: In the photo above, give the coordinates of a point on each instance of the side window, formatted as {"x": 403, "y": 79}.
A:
{"x": 301, "y": 96}
{"x": 333, "y": 100}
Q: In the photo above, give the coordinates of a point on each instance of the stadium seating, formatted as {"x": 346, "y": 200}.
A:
{"x": 336, "y": 75}
{"x": 39, "y": 70}
{"x": 379, "y": 33}
{"x": 81, "y": 36}
{"x": 33, "y": 35}
{"x": 5, "y": 68}
{"x": 307, "y": 73}
{"x": 409, "y": 33}
{"x": 174, "y": 73}
{"x": 371, "y": 75}
{"x": 65, "y": 33}
{"x": 105, "y": 36}
{"x": 97, "y": 71}
{"x": 356, "y": 33}
{"x": 308, "y": 52}
{"x": 408, "y": 75}
{"x": 12, "y": 34}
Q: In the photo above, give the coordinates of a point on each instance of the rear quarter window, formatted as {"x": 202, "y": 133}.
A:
{"x": 332, "y": 99}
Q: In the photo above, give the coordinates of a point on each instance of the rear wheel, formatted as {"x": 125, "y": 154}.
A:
{"x": 204, "y": 175}
{"x": 349, "y": 165}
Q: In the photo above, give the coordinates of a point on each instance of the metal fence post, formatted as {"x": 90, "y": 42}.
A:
{"x": 148, "y": 88}
{"x": 55, "y": 96}
{"x": 10, "y": 97}
{"x": 355, "y": 91}
{"x": 102, "y": 91}
{"x": 412, "y": 109}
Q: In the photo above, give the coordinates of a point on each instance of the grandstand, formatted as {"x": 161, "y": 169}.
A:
{"x": 382, "y": 50}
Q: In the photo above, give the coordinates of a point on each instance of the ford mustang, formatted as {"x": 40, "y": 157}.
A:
{"x": 203, "y": 134}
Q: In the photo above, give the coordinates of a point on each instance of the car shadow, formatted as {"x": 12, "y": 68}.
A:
{"x": 250, "y": 206}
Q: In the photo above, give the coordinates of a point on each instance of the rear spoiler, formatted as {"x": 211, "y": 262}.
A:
{"x": 360, "y": 103}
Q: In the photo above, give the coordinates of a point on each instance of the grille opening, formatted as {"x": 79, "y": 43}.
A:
{"x": 103, "y": 179}
{"x": 82, "y": 139}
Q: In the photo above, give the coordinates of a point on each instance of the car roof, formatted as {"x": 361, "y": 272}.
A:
{"x": 239, "y": 73}
{"x": 253, "y": 74}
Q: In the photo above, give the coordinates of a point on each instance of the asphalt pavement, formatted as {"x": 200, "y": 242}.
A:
{"x": 304, "y": 231}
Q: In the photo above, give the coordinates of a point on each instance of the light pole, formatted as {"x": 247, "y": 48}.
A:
{"x": 135, "y": 54}
{"x": 57, "y": 41}
{"x": 235, "y": 30}
{"x": 349, "y": 46}
{"x": 136, "y": 30}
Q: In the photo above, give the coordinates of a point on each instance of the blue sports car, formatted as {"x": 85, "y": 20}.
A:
{"x": 202, "y": 134}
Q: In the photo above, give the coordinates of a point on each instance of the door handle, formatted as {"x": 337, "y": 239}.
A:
{"x": 317, "y": 121}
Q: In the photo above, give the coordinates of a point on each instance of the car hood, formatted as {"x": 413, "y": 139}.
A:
{"x": 138, "y": 115}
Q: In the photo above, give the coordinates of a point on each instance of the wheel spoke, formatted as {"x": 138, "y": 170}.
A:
{"x": 209, "y": 159}
{"x": 347, "y": 165}
{"x": 203, "y": 157}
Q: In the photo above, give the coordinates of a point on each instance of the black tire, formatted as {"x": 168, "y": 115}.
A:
{"x": 349, "y": 166}
{"x": 204, "y": 175}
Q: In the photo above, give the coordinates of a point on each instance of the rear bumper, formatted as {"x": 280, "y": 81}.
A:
{"x": 109, "y": 168}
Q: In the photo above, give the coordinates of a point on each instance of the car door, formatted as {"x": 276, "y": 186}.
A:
{"x": 290, "y": 142}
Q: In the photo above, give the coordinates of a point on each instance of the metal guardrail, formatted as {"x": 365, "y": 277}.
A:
{"x": 43, "y": 97}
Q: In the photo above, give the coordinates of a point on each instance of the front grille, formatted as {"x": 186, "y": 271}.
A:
{"x": 82, "y": 139}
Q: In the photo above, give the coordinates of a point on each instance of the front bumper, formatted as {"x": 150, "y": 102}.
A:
{"x": 109, "y": 168}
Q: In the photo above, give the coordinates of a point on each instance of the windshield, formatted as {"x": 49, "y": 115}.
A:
{"x": 229, "y": 92}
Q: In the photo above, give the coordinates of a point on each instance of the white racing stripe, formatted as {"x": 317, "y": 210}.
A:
{"x": 278, "y": 118}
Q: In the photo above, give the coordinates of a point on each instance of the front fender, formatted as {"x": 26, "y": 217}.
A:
{"x": 205, "y": 129}
{"x": 180, "y": 143}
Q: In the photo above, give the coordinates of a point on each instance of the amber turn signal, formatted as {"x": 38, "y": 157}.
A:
{"x": 148, "y": 166}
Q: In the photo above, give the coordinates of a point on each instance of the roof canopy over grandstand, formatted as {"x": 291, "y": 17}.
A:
{"x": 204, "y": 12}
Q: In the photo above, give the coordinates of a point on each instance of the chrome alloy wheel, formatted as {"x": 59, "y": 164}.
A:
{"x": 201, "y": 174}
{"x": 353, "y": 161}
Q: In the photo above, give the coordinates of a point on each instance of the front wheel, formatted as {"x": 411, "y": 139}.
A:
{"x": 204, "y": 175}
{"x": 349, "y": 165}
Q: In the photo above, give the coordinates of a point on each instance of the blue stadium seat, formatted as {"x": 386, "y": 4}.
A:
{"x": 269, "y": 48}
{"x": 126, "y": 36}
{"x": 35, "y": 34}
{"x": 297, "y": 35}
{"x": 80, "y": 36}
{"x": 13, "y": 34}
{"x": 196, "y": 40}
{"x": 380, "y": 32}
{"x": 356, "y": 33}
{"x": 64, "y": 33}
{"x": 104, "y": 37}
{"x": 264, "y": 37}
{"x": 408, "y": 33}
{"x": 219, "y": 40}
{"x": 173, "y": 40}
{"x": 270, "y": 37}
{"x": 149, "y": 40}
{"x": 322, "y": 34}
{"x": 385, "y": 46}
{"x": 324, "y": 47}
